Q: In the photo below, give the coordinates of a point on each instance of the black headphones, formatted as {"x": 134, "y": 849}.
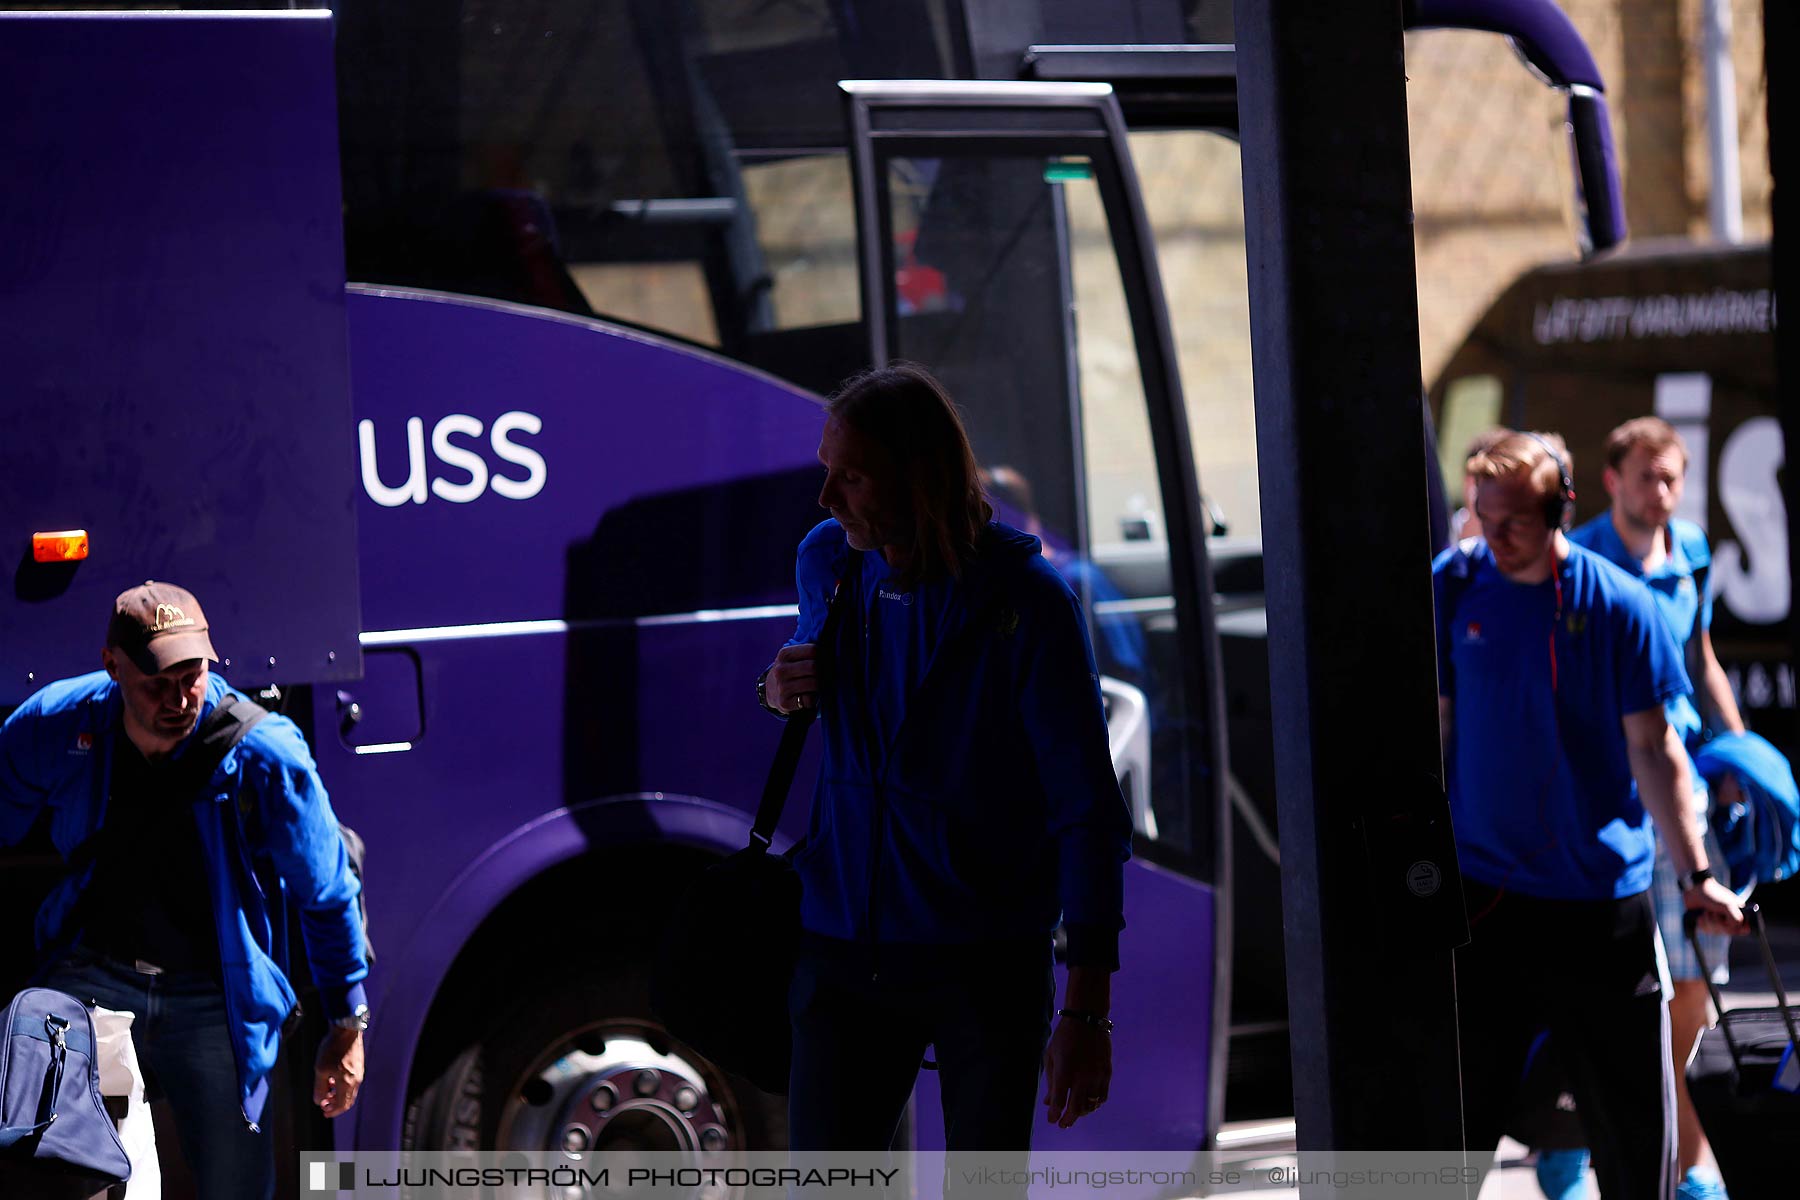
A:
{"x": 1559, "y": 510}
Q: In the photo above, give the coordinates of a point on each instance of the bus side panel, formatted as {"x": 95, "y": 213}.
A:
{"x": 586, "y": 624}
{"x": 497, "y": 750}
{"x": 675, "y": 488}
{"x": 521, "y": 465}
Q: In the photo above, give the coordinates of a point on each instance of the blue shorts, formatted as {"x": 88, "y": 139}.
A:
{"x": 1666, "y": 893}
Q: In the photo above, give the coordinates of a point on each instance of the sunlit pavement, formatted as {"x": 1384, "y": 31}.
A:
{"x": 1514, "y": 1177}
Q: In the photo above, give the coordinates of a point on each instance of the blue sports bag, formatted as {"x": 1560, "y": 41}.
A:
{"x": 55, "y": 1135}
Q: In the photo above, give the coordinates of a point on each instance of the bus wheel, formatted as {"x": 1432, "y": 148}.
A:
{"x": 578, "y": 1063}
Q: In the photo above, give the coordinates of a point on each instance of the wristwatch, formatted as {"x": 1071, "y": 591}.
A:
{"x": 762, "y": 694}
{"x": 357, "y": 1020}
{"x": 1693, "y": 879}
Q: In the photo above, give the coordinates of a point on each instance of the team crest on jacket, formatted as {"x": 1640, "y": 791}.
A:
{"x": 1007, "y": 623}
{"x": 84, "y": 743}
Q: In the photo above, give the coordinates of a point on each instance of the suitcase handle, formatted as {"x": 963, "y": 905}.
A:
{"x": 1690, "y": 924}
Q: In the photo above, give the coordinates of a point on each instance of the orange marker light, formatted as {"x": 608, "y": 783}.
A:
{"x": 70, "y": 545}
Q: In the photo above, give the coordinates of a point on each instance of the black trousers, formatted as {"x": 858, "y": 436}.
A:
{"x": 863, "y": 1018}
{"x": 1586, "y": 972}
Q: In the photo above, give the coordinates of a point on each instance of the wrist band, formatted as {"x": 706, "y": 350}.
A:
{"x": 1086, "y": 1018}
{"x": 1693, "y": 879}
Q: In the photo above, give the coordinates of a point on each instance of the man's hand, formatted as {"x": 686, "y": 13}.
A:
{"x": 338, "y": 1072}
{"x": 791, "y": 683}
{"x": 1719, "y": 908}
{"x": 1077, "y": 1071}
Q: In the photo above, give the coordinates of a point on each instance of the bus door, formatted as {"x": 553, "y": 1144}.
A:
{"x": 1002, "y": 244}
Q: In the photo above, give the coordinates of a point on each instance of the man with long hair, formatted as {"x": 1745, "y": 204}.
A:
{"x": 966, "y": 805}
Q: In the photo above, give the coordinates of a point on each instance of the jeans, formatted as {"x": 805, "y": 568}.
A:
{"x": 183, "y": 1042}
{"x": 862, "y": 1020}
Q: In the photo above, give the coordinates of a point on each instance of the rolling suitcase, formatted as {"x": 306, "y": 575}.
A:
{"x": 1744, "y": 1080}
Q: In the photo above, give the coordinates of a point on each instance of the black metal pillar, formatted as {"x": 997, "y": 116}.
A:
{"x": 1372, "y": 898}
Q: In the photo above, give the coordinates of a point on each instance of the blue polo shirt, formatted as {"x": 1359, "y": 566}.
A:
{"x": 1541, "y": 792}
{"x": 1672, "y": 584}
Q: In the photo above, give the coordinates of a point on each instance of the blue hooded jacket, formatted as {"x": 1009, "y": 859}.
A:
{"x": 1760, "y": 835}
{"x": 992, "y": 813}
{"x": 56, "y": 753}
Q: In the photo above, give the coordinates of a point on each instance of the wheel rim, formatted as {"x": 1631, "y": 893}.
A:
{"x": 608, "y": 1087}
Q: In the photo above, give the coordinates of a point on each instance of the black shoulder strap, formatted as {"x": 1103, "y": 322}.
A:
{"x": 793, "y": 733}
{"x": 1694, "y": 656}
{"x": 1700, "y": 581}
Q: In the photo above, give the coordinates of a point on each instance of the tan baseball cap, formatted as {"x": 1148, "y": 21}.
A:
{"x": 158, "y": 625}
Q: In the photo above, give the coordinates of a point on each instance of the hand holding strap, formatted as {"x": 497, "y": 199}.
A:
{"x": 793, "y": 734}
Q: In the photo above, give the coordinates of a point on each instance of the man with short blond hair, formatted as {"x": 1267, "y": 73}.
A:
{"x": 1553, "y": 672}
{"x": 1646, "y": 466}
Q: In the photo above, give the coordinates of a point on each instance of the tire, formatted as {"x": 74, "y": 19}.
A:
{"x": 493, "y": 1095}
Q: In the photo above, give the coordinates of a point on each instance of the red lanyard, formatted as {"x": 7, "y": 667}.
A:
{"x": 1555, "y": 578}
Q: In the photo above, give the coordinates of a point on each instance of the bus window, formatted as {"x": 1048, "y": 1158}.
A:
{"x": 1194, "y": 196}
{"x": 800, "y": 210}
{"x": 806, "y": 218}
{"x": 1127, "y": 538}
{"x": 672, "y": 166}
{"x": 1088, "y": 488}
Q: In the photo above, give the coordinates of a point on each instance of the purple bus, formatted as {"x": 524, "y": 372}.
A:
{"x": 498, "y": 340}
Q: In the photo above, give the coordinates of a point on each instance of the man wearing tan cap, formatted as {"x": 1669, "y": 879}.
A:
{"x": 158, "y": 915}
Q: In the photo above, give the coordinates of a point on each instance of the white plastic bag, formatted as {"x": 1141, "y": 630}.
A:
{"x": 120, "y": 1075}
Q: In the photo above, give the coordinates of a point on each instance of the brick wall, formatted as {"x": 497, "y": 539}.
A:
{"x": 1492, "y": 186}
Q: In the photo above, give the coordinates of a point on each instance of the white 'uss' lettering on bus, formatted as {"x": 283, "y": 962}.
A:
{"x": 460, "y": 458}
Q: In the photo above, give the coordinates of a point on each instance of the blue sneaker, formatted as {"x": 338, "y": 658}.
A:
{"x": 1701, "y": 1184}
{"x": 1563, "y": 1174}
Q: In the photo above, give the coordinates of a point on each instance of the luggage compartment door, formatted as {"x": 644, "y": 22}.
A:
{"x": 172, "y": 304}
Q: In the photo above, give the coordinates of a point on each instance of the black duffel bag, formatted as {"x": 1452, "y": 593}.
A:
{"x": 727, "y": 955}
{"x": 721, "y": 979}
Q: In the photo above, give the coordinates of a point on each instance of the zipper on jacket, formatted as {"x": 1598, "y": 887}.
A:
{"x": 224, "y": 988}
{"x": 966, "y": 636}
{"x": 874, "y": 876}
{"x": 870, "y": 749}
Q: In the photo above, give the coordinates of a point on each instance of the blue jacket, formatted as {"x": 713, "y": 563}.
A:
{"x": 56, "y": 752}
{"x": 1759, "y": 837}
{"x": 993, "y": 812}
